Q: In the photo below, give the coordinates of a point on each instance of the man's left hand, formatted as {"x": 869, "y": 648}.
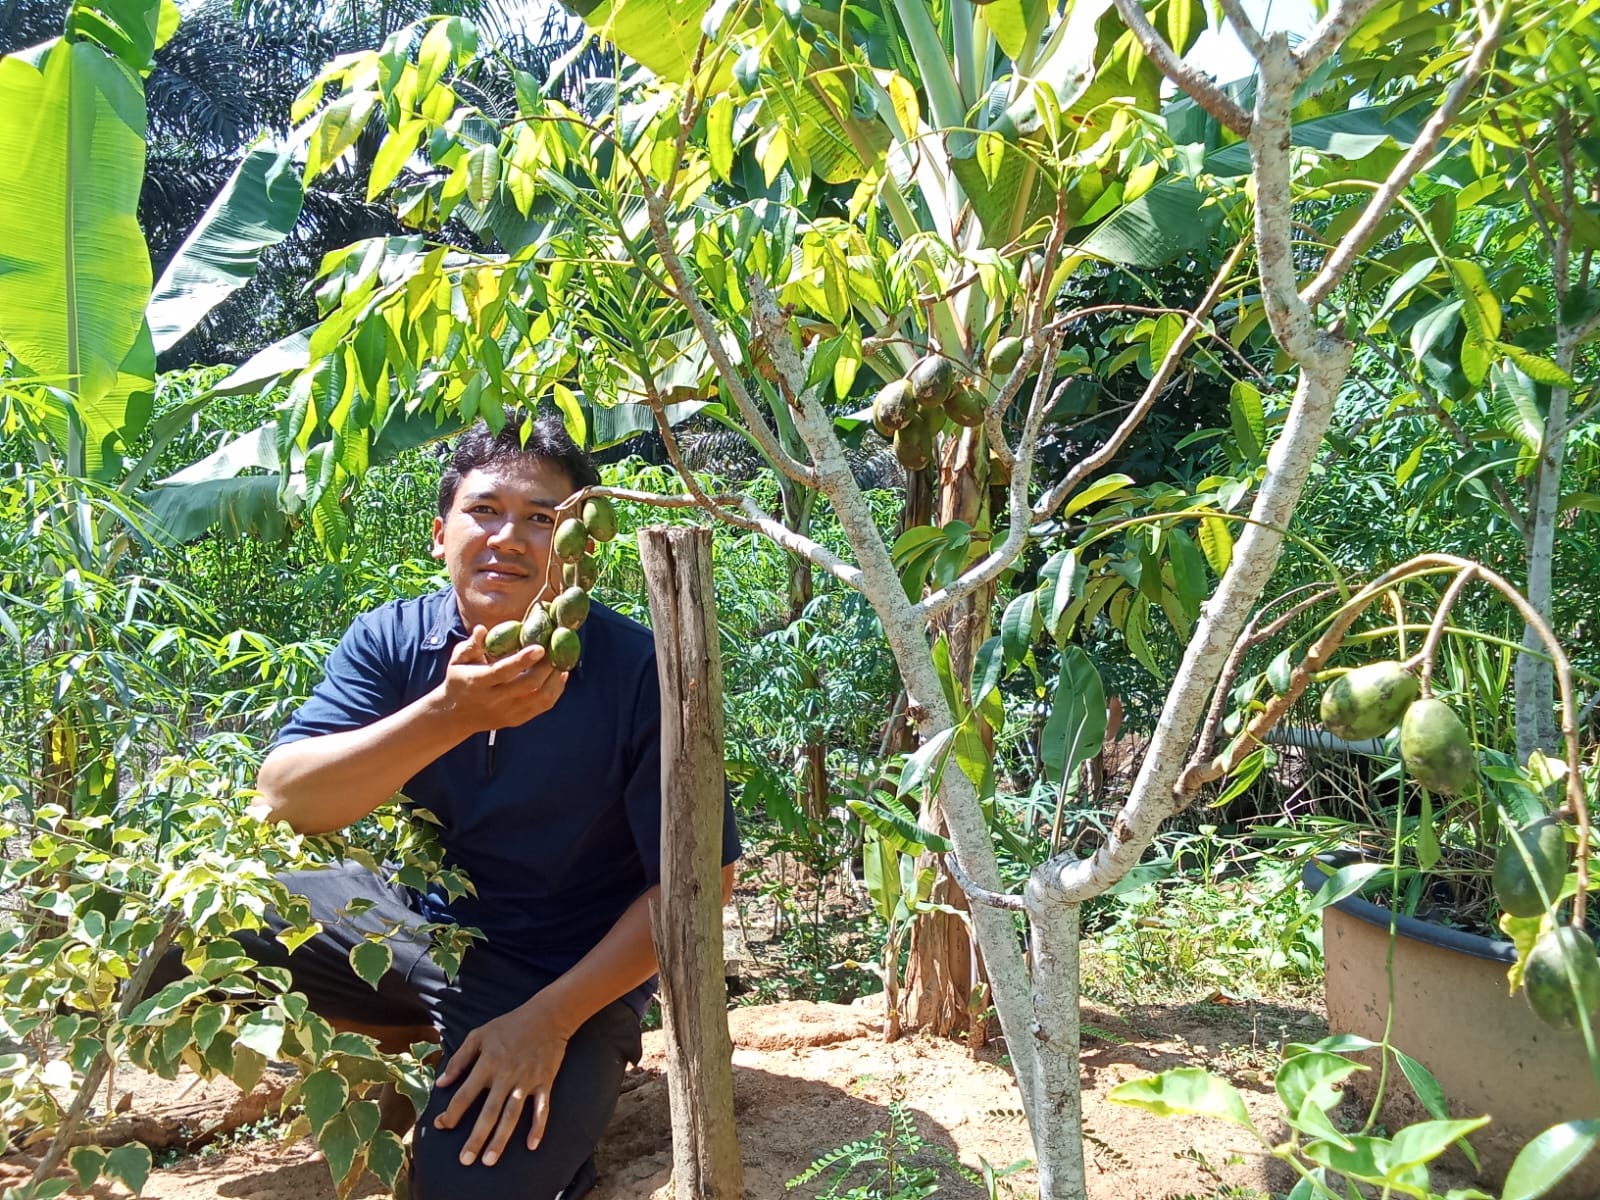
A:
{"x": 510, "y": 1061}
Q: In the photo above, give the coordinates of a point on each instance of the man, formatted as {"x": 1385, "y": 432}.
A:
{"x": 546, "y": 786}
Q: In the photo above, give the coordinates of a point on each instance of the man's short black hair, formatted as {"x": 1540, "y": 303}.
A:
{"x": 549, "y": 440}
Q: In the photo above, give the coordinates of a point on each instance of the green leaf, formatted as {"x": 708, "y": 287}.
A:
{"x": 1516, "y": 406}
{"x": 1540, "y": 370}
{"x": 1017, "y": 626}
{"x": 1009, "y": 20}
{"x": 87, "y": 1162}
{"x": 880, "y": 872}
{"x": 1312, "y": 1078}
{"x": 323, "y": 1095}
{"x": 262, "y": 1032}
{"x": 1249, "y": 420}
{"x": 1216, "y": 543}
{"x": 73, "y": 288}
{"x": 340, "y": 1141}
{"x": 386, "y": 1155}
{"x": 1346, "y": 881}
{"x": 371, "y": 960}
{"x": 483, "y": 175}
{"x": 255, "y": 209}
{"x": 1546, "y": 1161}
{"x": 1187, "y": 1091}
{"x": 1076, "y": 728}
{"x": 1480, "y": 307}
{"x": 1426, "y": 1140}
{"x": 925, "y": 765}
{"x": 1093, "y": 493}
{"x": 896, "y": 827}
{"x": 338, "y": 127}
{"x": 130, "y": 1164}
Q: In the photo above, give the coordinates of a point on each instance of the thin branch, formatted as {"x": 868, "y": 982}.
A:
{"x": 988, "y": 569}
{"x": 981, "y": 894}
{"x": 1202, "y": 87}
{"x": 1354, "y": 243}
{"x": 1430, "y": 644}
{"x": 1248, "y": 640}
{"x": 1330, "y": 33}
{"x": 1087, "y": 466}
{"x": 1249, "y": 36}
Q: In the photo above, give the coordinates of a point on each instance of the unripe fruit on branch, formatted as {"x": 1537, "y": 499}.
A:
{"x": 1530, "y": 867}
{"x": 1005, "y": 354}
{"x": 600, "y": 518}
{"x": 913, "y": 446}
{"x": 571, "y": 540}
{"x": 893, "y": 408}
{"x": 582, "y": 573}
{"x": 1436, "y": 748}
{"x": 536, "y": 626}
{"x": 1562, "y": 977}
{"x": 571, "y": 608}
{"x": 505, "y": 638}
{"x": 965, "y": 407}
{"x": 564, "y": 649}
{"x": 1368, "y": 701}
{"x": 932, "y": 378}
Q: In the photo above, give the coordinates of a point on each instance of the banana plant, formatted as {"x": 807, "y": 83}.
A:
{"x": 80, "y": 321}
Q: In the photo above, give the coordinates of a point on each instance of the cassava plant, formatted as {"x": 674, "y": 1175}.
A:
{"x": 647, "y": 243}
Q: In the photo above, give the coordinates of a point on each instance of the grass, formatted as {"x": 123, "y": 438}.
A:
{"x": 1213, "y": 931}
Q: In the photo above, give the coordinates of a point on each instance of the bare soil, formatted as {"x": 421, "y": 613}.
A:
{"x": 809, "y": 1078}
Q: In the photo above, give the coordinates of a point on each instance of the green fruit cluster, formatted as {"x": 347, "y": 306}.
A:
{"x": 1434, "y": 745}
{"x": 555, "y": 625}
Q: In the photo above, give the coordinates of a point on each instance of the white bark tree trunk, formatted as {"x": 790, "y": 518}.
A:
{"x": 1535, "y": 678}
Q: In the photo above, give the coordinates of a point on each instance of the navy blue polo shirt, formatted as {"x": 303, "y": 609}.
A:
{"x": 559, "y": 829}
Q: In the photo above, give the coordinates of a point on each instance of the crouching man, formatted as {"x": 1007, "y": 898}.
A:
{"x": 546, "y": 787}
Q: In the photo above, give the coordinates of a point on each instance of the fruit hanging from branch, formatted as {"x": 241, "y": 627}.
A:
{"x": 1369, "y": 701}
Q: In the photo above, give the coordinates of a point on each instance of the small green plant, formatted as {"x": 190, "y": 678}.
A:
{"x": 894, "y": 1164}
{"x": 1333, "y": 1162}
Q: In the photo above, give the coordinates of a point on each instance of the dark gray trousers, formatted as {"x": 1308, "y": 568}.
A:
{"x": 415, "y": 991}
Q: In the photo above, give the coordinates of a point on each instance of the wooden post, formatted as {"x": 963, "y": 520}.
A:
{"x": 688, "y": 919}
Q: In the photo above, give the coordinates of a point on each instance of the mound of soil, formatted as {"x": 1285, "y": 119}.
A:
{"x": 810, "y": 1078}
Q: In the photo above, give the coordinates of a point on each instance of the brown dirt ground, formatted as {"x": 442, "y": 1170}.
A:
{"x": 811, "y": 1077}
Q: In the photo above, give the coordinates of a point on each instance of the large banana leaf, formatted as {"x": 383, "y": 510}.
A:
{"x": 73, "y": 286}
{"x": 255, "y": 209}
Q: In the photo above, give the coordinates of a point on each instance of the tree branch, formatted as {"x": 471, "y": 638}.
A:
{"x": 1202, "y": 87}
{"x": 1249, "y": 36}
{"x": 1330, "y": 33}
{"x": 981, "y": 894}
{"x": 1191, "y": 329}
{"x": 1354, "y": 243}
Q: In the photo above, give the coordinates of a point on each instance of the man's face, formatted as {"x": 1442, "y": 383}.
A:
{"x": 495, "y": 540}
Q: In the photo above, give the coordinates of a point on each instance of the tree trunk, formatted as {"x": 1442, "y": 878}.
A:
{"x": 1535, "y": 678}
{"x": 939, "y": 978}
{"x": 687, "y": 922}
{"x": 1058, "y": 1103}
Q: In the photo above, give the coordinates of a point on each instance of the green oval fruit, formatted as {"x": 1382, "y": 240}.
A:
{"x": 1562, "y": 977}
{"x": 572, "y": 539}
{"x": 1530, "y": 867}
{"x": 505, "y": 638}
{"x": 582, "y": 573}
{"x": 536, "y": 626}
{"x": 1436, "y": 749}
{"x": 965, "y": 407}
{"x": 893, "y": 408}
{"x": 571, "y": 608}
{"x": 600, "y": 518}
{"x": 932, "y": 378}
{"x": 1005, "y": 354}
{"x": 1368, "y": 701}
{"x": 564, "y": 649}
{"x": 913, "y": 446}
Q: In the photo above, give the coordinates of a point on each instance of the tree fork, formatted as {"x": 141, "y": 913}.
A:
{"x": 686, "y": 922}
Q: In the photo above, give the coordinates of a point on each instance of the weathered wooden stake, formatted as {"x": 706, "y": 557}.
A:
{"x": 688, "y": 919}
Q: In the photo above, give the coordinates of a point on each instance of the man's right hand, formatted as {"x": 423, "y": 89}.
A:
{"x": 478, "y": 695}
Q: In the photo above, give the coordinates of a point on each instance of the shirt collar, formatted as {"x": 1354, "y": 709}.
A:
{"x": 444, "y": 619}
